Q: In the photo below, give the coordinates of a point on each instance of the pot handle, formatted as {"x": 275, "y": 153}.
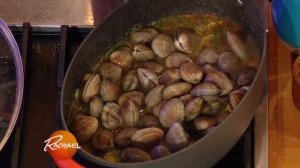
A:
{"x": 69, "y": 163}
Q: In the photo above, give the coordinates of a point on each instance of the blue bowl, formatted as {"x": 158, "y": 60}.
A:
{"x": 286, "y": 18}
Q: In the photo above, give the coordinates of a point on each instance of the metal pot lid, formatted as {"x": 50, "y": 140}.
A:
{"x": 11, "y": 83}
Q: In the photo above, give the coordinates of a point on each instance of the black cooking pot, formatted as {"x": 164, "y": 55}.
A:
{"x": 210, "y": 149}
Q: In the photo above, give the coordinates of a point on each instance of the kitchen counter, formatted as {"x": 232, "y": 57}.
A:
{"x": 284, "y": 117}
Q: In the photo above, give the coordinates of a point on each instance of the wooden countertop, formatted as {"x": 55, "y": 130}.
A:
{"x": 284, "y": 117}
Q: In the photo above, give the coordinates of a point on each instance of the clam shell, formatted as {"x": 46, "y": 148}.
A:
{"x": 163, "y": 45}
{"x": 235, "y": 97}
{"x": 103, "y": 140}
{"x": 237, "y": 45}
{"x": 222, "y": 116}
{"x": 151, "y": 65}
{"x": 185, "y": 98}
{"x": 221, "y": 80}
{"x": 147, "y": 137}
{"x": 147, "y": 78}
{"x": 112, "y": 156}
{"x": 175, "y": 60}
{"x": 215, "y": 107}
{"x": 207, "y": 56}
{"x": 205, "y": 89}
{"x": 121, "y": 57}
{"x": 147, "y": 121}
{"x": 172, "y": 111}
{"x": 208, "y": 68}
{"x": 96, "y": 105}
{"x": 123, "y": 138}
{"x": 154, "y": 96}
{"x": 205, "y": 122}
{"x": 110, "y": 116}
{"x": 159, "y": 152}
{"x": 176, "y": 89}
{"x": 130, "y": 81}
{"x": 170, "y": 76}
{"x": 184, "y": 41}
{"x": 111, "y": 72}
{"x": 156, "y": 109}
{"x": 91, "y": 88}
{"x": 84, "y": 127}
{"x": 246, "y": 76}
{"x": 109, "y": 91}
{"x": 133, "y": 155}
{"x": 130, "y": 112}
{"x": 136, "y": 96}
{"x": 144, "y": 36}
{"x": 142, "y": 53}
{"x": 176, "y": 138}
{"x": 230, "y": 64}
{"x": 193, "y": 108}
{"x": 190, "y": 73}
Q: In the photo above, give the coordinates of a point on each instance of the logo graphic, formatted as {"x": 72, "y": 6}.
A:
{"x": 61, "y": 145}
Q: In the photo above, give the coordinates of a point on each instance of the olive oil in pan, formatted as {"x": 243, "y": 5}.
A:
{"x": 203, "y": 93}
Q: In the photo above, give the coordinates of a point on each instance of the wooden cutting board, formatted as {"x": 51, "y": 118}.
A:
{"x": 284, "y": 117}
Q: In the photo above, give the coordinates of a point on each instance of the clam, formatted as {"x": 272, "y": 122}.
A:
{"x": 147, "y": 137}
{"x": 109, "y": 91}
{"x": 230, "y": 64}
{"x": 215, "y": 107}
{"x": 96, "y": 105}
{"x": 154, "y": 96}
{"x": 246, "y": 76}
{"x": 175, "y": 60}
{"x": 221, "y": 80}
{"x": 184, "y": 41}
{"x": 111, "y": 72}
{"x": 205, "y": 89}
{"x": 176, "y": 137}
{"x": 170, "y": 76}
{"x": 147, "y": 121}
{"x": 87, "y": 77}
{"x": 136, "y": 96}
{"x": 176, "y": 89}
{"x": 172, "y": 111}
{"x": 222, "y": 116}
{"x": 147, "y": 78}
{"x": 130, "y": 112}
{"x": 84, "y": 127}
{"x": 151, "y": 65}
{"x": 193, "y": 108}
{"x": 156, "y": 109}
{"x": 159, "y": 152}
{"x": 110, "y": 116}
{"x": 121, "y": 57}
{"x": 163, "y": 45}
{"x": 237, "y": 45}
{"x": 103, "y": 140}
{"x": 185, "y": 98}
{"x": 207, "y": 56}
{"x": 142, "y": 53}
{"x": 132, "y": 155}
{"x": 91, "y": 88}
{"x": 112, "y": 156}
{"x": 235, "y": 97}
{"x": 130, "y": 81}
{"x": 190, "y": 73}
{"x": 208, "y": 68}
{"x": 123, "y": 138}
{"x": 144, "y": 36}
{"x": 205, "y": 122}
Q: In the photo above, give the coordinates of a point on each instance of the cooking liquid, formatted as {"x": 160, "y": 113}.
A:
{"x": 211, "y": 31}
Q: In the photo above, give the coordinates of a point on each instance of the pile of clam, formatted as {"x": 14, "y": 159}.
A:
{"x": 156, "y": 96}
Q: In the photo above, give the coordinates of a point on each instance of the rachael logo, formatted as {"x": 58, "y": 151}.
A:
{"x": 61, "y": 145}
